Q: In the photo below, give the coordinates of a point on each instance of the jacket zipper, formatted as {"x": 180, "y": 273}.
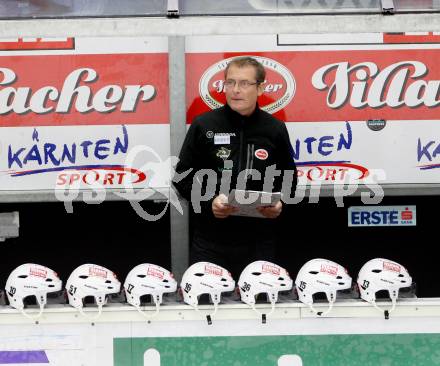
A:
{"x": 251, "y": 157}
{"x": 249, "y": 160}
{"x": 240, "y": 151}
{"x": 249, "y": 154}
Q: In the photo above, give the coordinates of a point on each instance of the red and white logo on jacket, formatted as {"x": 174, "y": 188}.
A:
{"x": 261, "y": 154}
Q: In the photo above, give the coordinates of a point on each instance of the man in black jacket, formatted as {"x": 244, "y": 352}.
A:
{"x": 235, "y": 146}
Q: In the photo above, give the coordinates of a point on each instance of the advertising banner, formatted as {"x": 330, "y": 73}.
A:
{"x": 359, "y": 108}
{"x": 313, "y": 341}
{"x": 323, "y": 350}
{"x": 83, "y": 112}
{"x": 359, "y": 216}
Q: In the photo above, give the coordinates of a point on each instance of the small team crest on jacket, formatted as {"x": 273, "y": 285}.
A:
{"x": 261, "y": 154}
{"x": 223, "y": 153}
{"x": 209, "y": 134}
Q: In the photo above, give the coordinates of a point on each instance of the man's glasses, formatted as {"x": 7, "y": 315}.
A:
{"x": 242, "y": 84}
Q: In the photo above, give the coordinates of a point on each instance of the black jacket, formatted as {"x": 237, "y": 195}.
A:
{"x": 228, "y": 143}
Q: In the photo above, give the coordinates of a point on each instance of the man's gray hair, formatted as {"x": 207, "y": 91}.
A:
{"x": 260, "y": 72}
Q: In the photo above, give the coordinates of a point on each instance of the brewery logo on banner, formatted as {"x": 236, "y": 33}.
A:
{"x": 77, "y": 88}
{"x": 279, "y": 86}
{"x": 370, "y": 88}
{"x": 376, "y": 85}
{"x": 22, "y": 100}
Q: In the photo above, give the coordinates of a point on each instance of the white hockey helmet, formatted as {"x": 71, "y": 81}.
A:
{"x": 261, "y": 277}
{"x": 91, "y": 280}
{"x": 148, "y": 279}
{"x": 382, "y": 275}
{"x": 205, "y": 278}
{"x": 321, "y": 276}
{"x": 31, "y": 280}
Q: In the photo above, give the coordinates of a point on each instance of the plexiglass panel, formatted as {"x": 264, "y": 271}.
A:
{"x": 112, "y": 8}
{"x": 201, "y": 7}
{"x": 417, "y": 5}
{"x": 80, "y": 8}
{"x": 252, "y": 7}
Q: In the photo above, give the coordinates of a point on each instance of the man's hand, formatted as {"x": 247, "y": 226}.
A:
{"x": 271, "y": 212}
{"x": 220, "y": 208}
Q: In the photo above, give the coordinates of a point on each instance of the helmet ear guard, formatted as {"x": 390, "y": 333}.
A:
{"x": 321, "y": 276}
{"x": 379, "y": 276}
{"x": 31, "y": 281}
{"x": 206, "y": 278}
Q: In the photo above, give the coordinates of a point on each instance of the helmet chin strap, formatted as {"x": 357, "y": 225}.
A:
{"x": 144, "y": 314}
{"x": 209, "y": 316}
{"x": 92, "y": 318}
{"x": 386, "y": 312}
{"x": 38, "y": 316}
{"x": 262, "y": 315}
{"x": 331, "y": 301}
{"x": 322, "y": 313}
{"x": 41, "y": 300}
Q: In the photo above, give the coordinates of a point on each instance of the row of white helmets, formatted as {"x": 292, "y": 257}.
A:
{"x": 260, "y": 277}
{"x": 315, "y": 276}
